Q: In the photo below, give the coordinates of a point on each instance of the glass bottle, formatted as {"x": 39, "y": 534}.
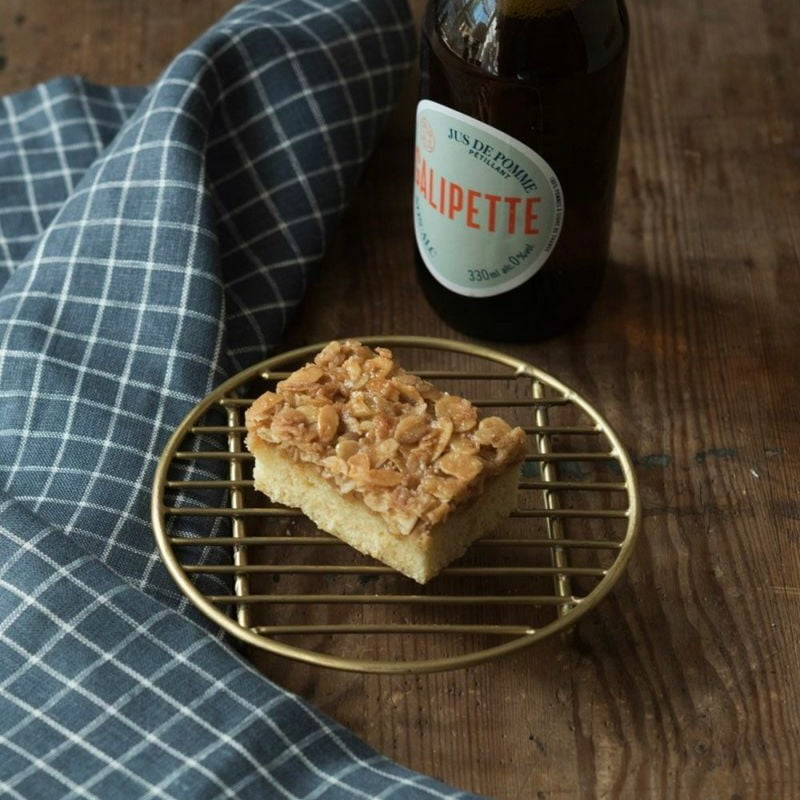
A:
{"x": 518, "y": 128}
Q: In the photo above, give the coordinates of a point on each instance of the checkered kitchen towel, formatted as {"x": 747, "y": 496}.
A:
{"x": 152, "y": 242}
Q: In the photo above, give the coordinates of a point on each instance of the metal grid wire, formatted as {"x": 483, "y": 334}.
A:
{"x": 268, "y": 576}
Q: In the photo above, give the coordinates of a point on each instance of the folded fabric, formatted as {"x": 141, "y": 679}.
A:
{"x": 151, "y": 243}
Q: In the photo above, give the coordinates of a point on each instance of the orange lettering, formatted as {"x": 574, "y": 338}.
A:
{"x": 421, "y": 184}
{"x": 531, "y": 216}
{"x": 429, "y": 189}
{"x": 482, "y": 211}
{"x": 456, "y": 200}
{"x": 493, "y": 199}
{"x": 472, "y": 210}
{"x": 512, "y": 203}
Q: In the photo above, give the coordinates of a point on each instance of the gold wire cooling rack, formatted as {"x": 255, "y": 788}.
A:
{"x": 269, "y": 577}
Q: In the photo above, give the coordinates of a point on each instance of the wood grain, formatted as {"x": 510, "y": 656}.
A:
{"x": 684, "y": 682}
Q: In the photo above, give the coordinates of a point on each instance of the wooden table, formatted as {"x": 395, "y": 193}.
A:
{"x": 684, "y": 683}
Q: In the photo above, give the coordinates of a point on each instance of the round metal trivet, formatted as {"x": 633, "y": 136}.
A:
{"x": 267, "y": 576}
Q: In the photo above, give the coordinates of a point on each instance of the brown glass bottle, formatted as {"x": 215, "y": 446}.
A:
{"x": 551, "y": 74}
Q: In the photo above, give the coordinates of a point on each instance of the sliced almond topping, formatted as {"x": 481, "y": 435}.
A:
{"x": 411, "y": 429}
{"x": 327, "y": 423}
{"x": 462, "y": 443}
{"x": 288, "y": 423}
{"x": 445, "y": 434}
{"x": 309, "y": 412}
{"x": 460, "y": 465}
{"x": 410, "y": 394}
{"x": 358, "y": 465}
{"x": 336, "y": 465}
{"x": 492, "y": 430}
{"x": 359, "y": 407}
{"x": 378, "y": 501}
{"x": 303, "y": 376}
{"x": 384, "y": 477}
{"x": 379, "y": 367}
{"x": 383, "y": 426}
{"x": 353, "y": 369}
{"x": 383, "y": 451}
{"x": 346, "y": 448}
{"x": 458, "y": 410}
{"x": 261, "y": 408}
{"x": 442, "y": 487}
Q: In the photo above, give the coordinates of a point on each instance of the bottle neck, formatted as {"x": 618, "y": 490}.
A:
{"x": 530, "y": 40}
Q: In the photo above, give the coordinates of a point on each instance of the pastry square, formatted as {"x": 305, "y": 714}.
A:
{"x": 383, "y": 460}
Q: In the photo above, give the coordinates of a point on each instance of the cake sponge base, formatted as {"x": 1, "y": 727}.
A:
{"x": 419, "y": 556}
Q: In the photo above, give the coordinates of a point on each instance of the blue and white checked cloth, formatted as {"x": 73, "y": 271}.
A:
{"x": 151, "y": 243}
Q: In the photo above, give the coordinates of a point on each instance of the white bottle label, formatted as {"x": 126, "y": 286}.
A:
{"x": 487, "y": 208}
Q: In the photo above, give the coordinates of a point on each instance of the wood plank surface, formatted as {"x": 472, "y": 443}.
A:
{"x": 685, "y": 681}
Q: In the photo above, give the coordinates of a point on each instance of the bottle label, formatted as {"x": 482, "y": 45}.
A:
{"x": 487, "y": 208}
